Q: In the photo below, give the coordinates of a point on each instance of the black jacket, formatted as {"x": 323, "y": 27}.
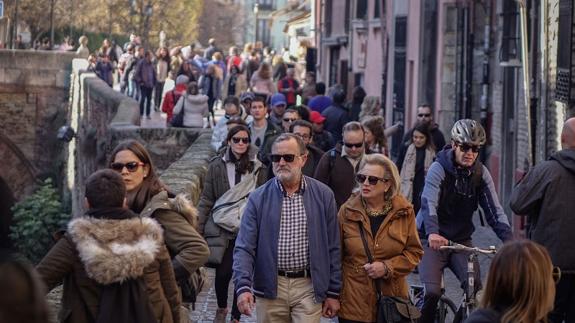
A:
{"x": 484, "y": 315}
{"x": 338, "y": 173}
{"x": 546, "y": 195}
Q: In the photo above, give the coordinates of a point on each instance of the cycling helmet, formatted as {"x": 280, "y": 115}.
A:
{"x": 468, "y": 131}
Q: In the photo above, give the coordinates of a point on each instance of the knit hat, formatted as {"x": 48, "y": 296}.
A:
{"x": 182, "y": 79}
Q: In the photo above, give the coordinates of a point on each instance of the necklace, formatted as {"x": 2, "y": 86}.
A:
{"x": 377, "y": 213}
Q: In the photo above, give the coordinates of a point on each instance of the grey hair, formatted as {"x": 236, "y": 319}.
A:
{"x": 290, "y": 136}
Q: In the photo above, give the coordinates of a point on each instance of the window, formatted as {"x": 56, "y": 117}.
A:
{"x": 347, "y": 15}
{"x": 266, "y": 4}
{"x": 263, "y": 31}
{"x": 361, "y": 9}
{"x": 327, "y": 17}
{"x": 376, "y": 13}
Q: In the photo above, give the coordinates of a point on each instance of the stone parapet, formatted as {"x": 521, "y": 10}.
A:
{"x": 187, "y": 174}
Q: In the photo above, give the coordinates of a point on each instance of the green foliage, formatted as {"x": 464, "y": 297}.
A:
{"x": 35, "y": 220}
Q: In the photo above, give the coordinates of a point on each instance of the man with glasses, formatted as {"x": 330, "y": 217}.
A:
{"x": 455, "y": 185}
{"x": 545, "y": 195}
{"x": 289, "y": 117}
{"x": 304, "y": 130}
{"x": 287, "y": 252}
{"x": 232, "y": 108}
{"x": 337, "y": 167}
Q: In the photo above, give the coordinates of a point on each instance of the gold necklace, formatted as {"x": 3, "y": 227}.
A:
{"x": 376, "y": 213}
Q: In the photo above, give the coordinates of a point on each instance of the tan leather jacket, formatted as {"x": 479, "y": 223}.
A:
{"x": 396, "y": 244}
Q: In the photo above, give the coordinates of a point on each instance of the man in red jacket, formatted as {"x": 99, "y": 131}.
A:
{"x": 172, "y": 97}
{"x": 289, "y": 87}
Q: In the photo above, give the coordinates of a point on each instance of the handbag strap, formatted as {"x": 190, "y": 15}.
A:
{"x": 378, "y": 281}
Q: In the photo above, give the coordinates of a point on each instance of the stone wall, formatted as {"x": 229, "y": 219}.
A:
{"x": 103, "y": 118}
{"x": 33, "y": 103}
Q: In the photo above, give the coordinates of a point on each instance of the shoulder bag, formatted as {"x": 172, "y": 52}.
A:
{"x": 178, "y": 119}
{"x": 390, "y": 309}
{"x": 228, "y": 209}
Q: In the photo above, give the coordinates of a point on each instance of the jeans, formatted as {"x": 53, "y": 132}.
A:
{"x": 134, "y": 90}
{"x": 145, "y": 97}
{"x": 223, "y": 277}
{"x": 158, "y": 95}
{"x": 431, "y": 271}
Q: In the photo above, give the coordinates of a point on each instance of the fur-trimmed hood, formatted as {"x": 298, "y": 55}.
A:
{"x": 179, "y": 204}
{"x": 115, "y": 250}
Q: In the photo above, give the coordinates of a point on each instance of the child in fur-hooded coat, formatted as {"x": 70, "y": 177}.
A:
{"x": 106, "y": 255}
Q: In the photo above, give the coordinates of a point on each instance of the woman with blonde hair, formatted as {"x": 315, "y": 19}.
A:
{"x": 371, "y": 106}
{"x": 261, "y": 81}
{"x": 520, "y": 285}
{"x": 383, "y": 220}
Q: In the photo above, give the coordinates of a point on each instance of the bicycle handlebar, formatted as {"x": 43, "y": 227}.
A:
{"x": 459, "y": 247}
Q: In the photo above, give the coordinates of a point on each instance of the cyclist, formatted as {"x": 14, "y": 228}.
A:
{"x": 455, "y": 185}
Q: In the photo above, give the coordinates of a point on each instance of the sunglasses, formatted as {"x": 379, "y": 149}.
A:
{"x": 372, "y": 180}
{"x": 556, "y": 274}
{"x": 349, "y": 145}
{"x": 467, "y": 147}
{"x": 131, "y": 166}
{"x": 424, "y": 115}
{"x": 288, "y": 158}
{"x": 289, "y": 120}
{"x": 236, "y": 140}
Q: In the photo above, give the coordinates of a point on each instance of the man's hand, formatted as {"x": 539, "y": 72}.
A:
{"x": 435, "y": 241}
{"x": 246, "y": 303}
{"x": 330, "y": 307}
{"x": 375, "y": 270}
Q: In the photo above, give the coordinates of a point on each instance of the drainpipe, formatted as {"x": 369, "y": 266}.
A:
{"x": 543, "y": 69}
{"x": 469, "y": 35}
{"x": 526, "y": 76}
{"x": 485, "y": 75}
{"x": 534, "y": 80}
{"x": 383, "y": 22}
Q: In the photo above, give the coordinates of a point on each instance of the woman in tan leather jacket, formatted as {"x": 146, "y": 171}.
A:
{"x": 388, "y": 224}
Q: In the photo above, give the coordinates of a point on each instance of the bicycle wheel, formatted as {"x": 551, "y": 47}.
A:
{"x": 445, "y": 307}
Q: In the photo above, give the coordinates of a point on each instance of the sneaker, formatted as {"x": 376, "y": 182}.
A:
{"x": 148, "y": 117}
{"x": 221, "y": 314}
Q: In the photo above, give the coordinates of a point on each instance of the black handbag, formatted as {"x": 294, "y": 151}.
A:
{"x": 178, "y": 119}
{"x": 390, "y": 309}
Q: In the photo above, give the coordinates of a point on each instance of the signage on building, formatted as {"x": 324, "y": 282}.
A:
{"x": 1, "y": 9}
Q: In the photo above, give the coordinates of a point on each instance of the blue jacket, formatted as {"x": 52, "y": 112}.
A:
{"x": 449, "y": 213}
{"x": 255, "y": 253}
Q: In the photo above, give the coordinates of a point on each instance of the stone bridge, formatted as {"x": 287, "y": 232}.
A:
{"x": 42, "y": 91}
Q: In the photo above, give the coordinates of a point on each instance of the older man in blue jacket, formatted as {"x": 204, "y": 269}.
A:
{"x": 288, "y": 248}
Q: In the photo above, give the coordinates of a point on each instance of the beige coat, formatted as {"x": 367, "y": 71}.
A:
{"x": 396, "y": 244}
{"x": 408, "y": 169}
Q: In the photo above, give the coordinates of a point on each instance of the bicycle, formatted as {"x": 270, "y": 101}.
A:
{"x": 444, "y": 306}
{"x": 469, "y": 302}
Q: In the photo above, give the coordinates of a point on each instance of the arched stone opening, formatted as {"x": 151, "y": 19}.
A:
{"x": 6, "y": 202}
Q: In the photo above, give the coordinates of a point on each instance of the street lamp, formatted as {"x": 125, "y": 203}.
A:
{"x": 256, "y": 12}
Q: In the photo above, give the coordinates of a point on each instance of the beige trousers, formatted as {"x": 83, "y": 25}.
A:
{"x": 294, "y": 303}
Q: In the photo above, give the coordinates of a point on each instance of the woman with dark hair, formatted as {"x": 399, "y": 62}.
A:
{"x": 195, "y": 107}
{"x": 211, "y": 86}
{"x": 520, "y": 286}
{"x": 419, "y": 156}
{"x": 147, "y": 196}
{"x": 358, "y": 94}
{"x": 375, "y": 139}
{"x": 236, "y": 162}
{"x": 235, "y": 83}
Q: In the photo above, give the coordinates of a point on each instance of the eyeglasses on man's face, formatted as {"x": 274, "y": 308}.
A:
{"x": 467, "y": 147}
{"x": 356, "y": 145}
{"x": 288, "y": 158}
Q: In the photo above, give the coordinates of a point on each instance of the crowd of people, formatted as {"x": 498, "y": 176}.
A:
{"x": 329, "y": 223}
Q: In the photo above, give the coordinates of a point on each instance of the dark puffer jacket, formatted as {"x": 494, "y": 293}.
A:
{"x": 338, "y": 173}
{"x": 546, "y": 196}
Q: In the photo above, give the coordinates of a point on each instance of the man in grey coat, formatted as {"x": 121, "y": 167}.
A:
{"x": 546, "y": 195}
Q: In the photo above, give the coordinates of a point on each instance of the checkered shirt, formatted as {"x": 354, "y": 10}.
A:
{"x": 293, "y": 244}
